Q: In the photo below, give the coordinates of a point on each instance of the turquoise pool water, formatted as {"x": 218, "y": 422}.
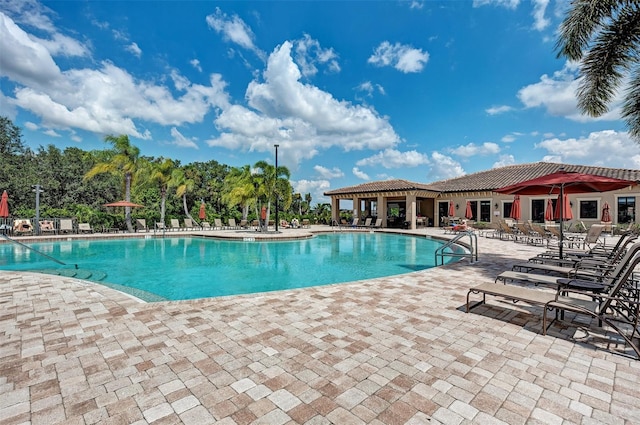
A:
{"x": 188, "y": 268}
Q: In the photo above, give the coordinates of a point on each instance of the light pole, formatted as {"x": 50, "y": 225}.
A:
{"x": 276, "y": 186}
{"x": 38, "y": 190}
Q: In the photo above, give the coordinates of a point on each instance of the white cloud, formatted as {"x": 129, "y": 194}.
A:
{"x": 471, "y": 149}
{"x": 61, "y": 45}
{"x": 315, "y": 187}
{"x": 444, "y": 167}
{"x": 181, "y": 141}
{"x": 326, "y": 173}
{"x": 606, "y": 148}
{"x": 392, "y": 158}
{"x": 368, "y": 87}
{"x": 233, "y": 29}
{"x": 111, "y": 101}
{"x": 402, "y": 57}
{"x": 309, "y": 53}
{"x": 196, "y": 64}
{"x": 30, "y": 13}
{"x": 509, "y": 4}
{"x": 7, "y": 107}
{"x": 503, "y": 161}
{"x": 508, "y": 138}
{"x": 360, "y": 174}
{"x": 497, "y": 110}
{"x": 52, "y": 133}
{"x": 557, "y": 94}
{"x": 134, "y": 49}
{"x": 539, "y": 20}
{"x": 301, "y": 118}
{"x": 31, "y": 126}
{"x": 416, "y": 4}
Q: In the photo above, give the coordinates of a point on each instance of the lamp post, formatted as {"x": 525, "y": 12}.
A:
{"x": 38, "y": 190}
{"x": 276, "y": 146}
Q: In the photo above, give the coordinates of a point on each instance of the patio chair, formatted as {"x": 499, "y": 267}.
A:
{"x": 48, "y": 227}
{"x": 217, "y": 224}
{"x": 66, "y": 226}
{"x": 22, "y": 226}
{"x": 84, "y": 228}
{"x": 618, "y": 306}
{"x": 244, "y": 224}
{"x": 367, "y": 223}
{"x": 232, "y": 223}
{"x": 592, "y": 237}
{"x": 160, "y": 226}
{"x": 306, "y": 223}
{"x": 188, "y": 224}
{"x": 175, "y": 224}
{"x": 378, "y": 223}
{"x": 205, "y": 225}
{"x": 141, "y": 224}
{"x": 528, "y": 235}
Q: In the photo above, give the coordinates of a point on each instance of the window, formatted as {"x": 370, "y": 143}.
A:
{"x": 626, "y": 209}
{"x": 588, "y": 209}
{"x": 506, "y": 209}
{"x": 485, "y": 210}
{"x": 537, "y": 210}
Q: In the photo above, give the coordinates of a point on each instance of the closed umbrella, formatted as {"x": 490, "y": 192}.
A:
{"x": 4, "y": 205}
{"x": 566, "y": 214}
{"x": 452, "y": 210}
{"x": 203, "y": 213}
{"x": 548, "y": 212}
{"x": 516, "y": 210}
{"x": 468, "y": 214}
{"x": 123, "y": 204}
{"x": 606, "y": 216}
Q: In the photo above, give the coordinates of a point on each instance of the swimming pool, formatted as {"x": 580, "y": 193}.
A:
{"x": 191, "y": 267}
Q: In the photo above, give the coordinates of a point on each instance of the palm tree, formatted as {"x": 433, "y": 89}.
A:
{"x": 183, "y": 185}
{"x": 604, "y": 36}
{"x": 123, "y": 162}
{"x": 272, "y": 183}
{"x": 160, "y": 173}
{"x": 240, "y": 189}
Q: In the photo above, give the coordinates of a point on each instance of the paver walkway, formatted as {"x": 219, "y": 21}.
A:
{"x": 398, "y": 350}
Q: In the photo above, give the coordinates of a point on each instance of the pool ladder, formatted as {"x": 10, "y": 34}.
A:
{"x": 471, "y": 252}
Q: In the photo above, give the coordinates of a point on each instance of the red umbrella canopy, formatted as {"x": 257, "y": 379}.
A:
{"x": 606, "y": 216}
{"x": 4, "y": 205}
{"x": 452, "y": 210}
{"x": 566, "y": 214}
{"x": 548, "y": 212}
{"x": 203, "y": 213}
{"x": 468, "y": 214}
{"x": 516, "y": 210}
{"x": 570, "y": 182}
{"x": 123, "y": 204}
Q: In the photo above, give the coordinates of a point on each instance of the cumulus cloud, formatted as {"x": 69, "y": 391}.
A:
{"x": 134, "y": 49}
{"x": 233, "y": 29}
{"x": 509, "y": 4}
{"x": 181, "y": 141}
{"x": 392, "y": 158}
{"x": 360, "y": 174}
{"x": 503, "y": 161}
{"x": 196, "y": 64}
{"x": 606, "y": 148}
{"x": 471, "y": 149}
{"x": 309, "y": 54}
{"x": 112, "y": 99}
{"x": 301, "y": 118}
{"x": 539, "y": 20}
{"x": 326, "y": 173}
{"x": 369, "y": 88}
{"x": 404, "y": 58}
{"x": 557, "y": 94}
{"x": 315, "y": 187}
{"x": 444, "y": 167}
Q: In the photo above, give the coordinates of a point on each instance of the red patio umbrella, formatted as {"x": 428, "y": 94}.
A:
{"x": 606, "y": 216}
{"x": 452, "y": 209}
{"x": 4, "y": 205}
{"x": 563, "y": 209}
{"x": 468, "y": 214}
{"x": 203, "y": 213}
{"x": 123, "y": 204}
{"x": 563, "y": 182}
{"x": 548, "y": 212}
{"x": 516, "y": 210}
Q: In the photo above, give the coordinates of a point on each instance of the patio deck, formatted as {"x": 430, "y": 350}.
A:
{"x": 396, "y": 350}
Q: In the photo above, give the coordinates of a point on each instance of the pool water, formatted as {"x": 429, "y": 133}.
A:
{"x": 190, "y": 267}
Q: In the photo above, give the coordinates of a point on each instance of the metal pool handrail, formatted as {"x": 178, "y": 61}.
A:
{"x": 473, "y": 248}
{"x": 35, "y": 250}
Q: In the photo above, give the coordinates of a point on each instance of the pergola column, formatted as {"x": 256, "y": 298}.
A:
{"x": 411, "y": 207}
{"x": 382, "y": 210}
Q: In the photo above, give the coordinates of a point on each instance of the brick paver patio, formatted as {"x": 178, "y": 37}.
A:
{"x": 397, "y": 350}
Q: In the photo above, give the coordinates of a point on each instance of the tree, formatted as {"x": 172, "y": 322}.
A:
{"x": 240, "y": 189}
{"x": 272, "y": 183}
{"x": 183, "y": 185}
{"x": 160, "y": 173}
{"x": 604, "y": 36}
{"x": 123, "y": 162}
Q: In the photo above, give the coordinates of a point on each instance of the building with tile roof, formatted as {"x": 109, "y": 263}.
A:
{"x": 410, "y": 204}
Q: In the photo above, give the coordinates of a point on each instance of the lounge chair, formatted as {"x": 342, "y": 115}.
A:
{"x": 141, "y": 224}
{"x": 528, "y": 235}
{"x": 354, "y": 222}
{"x": 66, "y": 226}
{"x": 48, "y": 227}
{"x": 175, "y": 224}
{"x": 618, "y": 306}
{"x": 306, "y": 223}
{"x": 378, "y": 223}
{"x": 367, "y": 223}
{"x": 217, "y": 224}
{"x": 591, "y": 238}
{"x": 84, "y": 228}
{"x": 188, "y": 224}
{"x": 22, "y": 226}
{"x": 205, "y": 225}
{"x": 244, "y": 224}
{"x": 232, "y": 223}
{"x": 160, "y": 226}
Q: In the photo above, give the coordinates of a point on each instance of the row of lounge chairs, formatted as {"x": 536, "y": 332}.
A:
{"x": 536, "y": 234}
{"x": 602, "y": 283}
{"x": 356, "y": 224}
{"x": 24, "y": 227}
{"x": 189, "y": 224}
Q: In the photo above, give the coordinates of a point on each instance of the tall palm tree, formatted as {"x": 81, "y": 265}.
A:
{"x": 123, "y": 162}
{"x": 272, "y": 183}
{"x": 604, "y": 36}
{"x": 160, "y": 174}
{"x": 183, "y": 185}
{"x": 240, "y": 189}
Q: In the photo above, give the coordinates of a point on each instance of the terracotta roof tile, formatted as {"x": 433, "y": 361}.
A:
{"x": 487, "y": 180}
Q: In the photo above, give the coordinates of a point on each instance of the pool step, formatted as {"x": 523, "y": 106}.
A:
{"x": 94, "y": 275}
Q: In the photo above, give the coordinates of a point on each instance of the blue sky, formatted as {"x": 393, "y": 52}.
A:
{"x": 351, "y": 91}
